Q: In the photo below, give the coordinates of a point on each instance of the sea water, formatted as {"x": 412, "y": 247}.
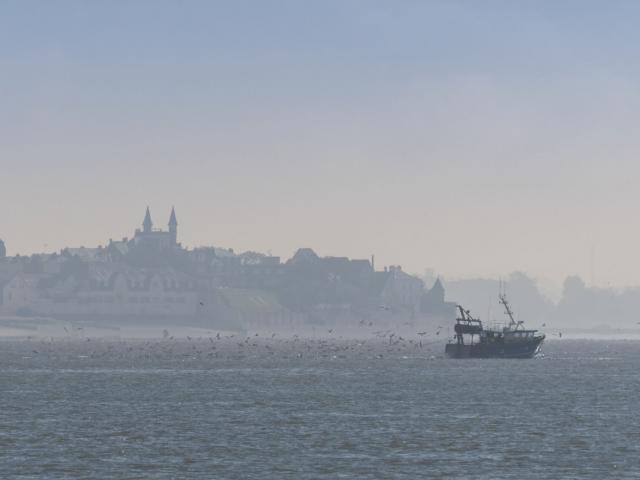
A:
{"x": 253, "y": 408}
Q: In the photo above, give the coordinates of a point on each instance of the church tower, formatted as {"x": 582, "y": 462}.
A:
{"x": 147, "y": 225}
{"x": 173, "y": 226}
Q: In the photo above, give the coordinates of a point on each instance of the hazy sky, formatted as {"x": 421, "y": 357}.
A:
{"x": 473, "y": 137}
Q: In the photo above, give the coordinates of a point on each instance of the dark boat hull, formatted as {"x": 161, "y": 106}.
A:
{"x": 524, "y": 349}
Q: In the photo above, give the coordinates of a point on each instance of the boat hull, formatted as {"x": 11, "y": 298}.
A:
{"x": 525, "y": 349}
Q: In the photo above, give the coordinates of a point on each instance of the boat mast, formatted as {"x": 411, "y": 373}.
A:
{"x": 507, "y": 308}
{"x": 502, "y": 295}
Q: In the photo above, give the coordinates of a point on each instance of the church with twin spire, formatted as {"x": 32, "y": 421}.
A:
{"x": 150, "y": 237}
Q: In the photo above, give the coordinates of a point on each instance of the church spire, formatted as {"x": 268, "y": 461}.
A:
{"x": 173, "y": 221}
{"x": 173, "y": 226}
{"x": 147, "y": 224}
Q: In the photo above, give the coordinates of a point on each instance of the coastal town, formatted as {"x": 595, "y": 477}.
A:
{"x": 151, "y": 279}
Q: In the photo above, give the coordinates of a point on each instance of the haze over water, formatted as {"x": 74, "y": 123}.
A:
{"x": 468, "y": 142}
{"x": 296, "y": 408}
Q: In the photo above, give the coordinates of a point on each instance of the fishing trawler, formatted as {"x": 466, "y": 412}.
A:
{"x": 511, "y": 341}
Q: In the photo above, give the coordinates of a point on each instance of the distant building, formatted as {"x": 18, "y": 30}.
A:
{"x": 156, "y": 239}
{"x": 401, "y": 290}
{"x": 3, "y": 250}
{"x": 22, "y": 292}
{"x": 104, "y": 291}
{"x": 433, "y": 303}
{"x": 88, "y": 255}
{"x": 435, "y": 296}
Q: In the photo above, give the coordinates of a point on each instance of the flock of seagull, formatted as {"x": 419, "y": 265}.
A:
{"x": 327, "y": 344}
{"x": 218, "y": 346}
